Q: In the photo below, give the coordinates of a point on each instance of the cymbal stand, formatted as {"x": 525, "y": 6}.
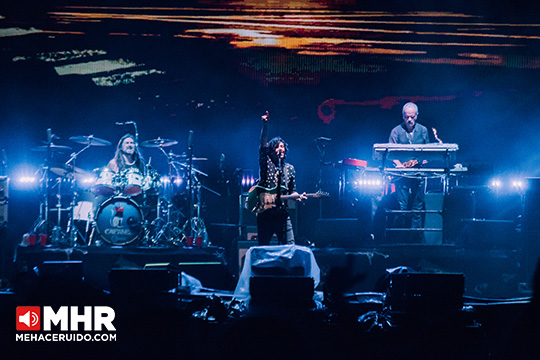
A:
{"x": 195, "y": 223}
{"x": 169, "y": 230}
{"x": 71, "y": 228}
{"x": 41, "y": 225}
{"x": 58, "y": 235}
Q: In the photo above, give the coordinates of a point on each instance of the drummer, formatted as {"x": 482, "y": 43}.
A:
{"x": 127, "y": 156}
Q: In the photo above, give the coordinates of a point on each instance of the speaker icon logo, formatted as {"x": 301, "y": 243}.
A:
{"x": 28, "y": 318}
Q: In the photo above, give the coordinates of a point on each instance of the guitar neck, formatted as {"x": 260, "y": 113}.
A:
{"x": 296, "y": 196}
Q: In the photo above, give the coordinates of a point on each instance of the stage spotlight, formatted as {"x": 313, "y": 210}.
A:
{"x": 25, "y": 178}
{"x": 247, "y": 179}
{"x": 178, "y": 181}
{"x": 519, "y": 185}
{"x": 496, "y": 184}
{"x": 367, "y": 183}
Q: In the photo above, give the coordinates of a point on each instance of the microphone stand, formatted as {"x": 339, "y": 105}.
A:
{"x": 321, "y": 147}
{"x": 189, "y": 228}
{"x": 279, "y": 204}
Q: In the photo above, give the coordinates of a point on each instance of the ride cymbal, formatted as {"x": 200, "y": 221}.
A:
{"x": 159, "y": 142}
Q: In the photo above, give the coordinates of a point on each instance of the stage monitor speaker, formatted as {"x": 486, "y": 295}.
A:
{"x": 426, "y": 292}
{"x": 339, "y": 233}
{"x": 143, "y": 281}
{"x": 488, "y": 234}
{"x": 212, "y": 274}
{"x": 286, "y": 291}
{"x": 434, "y": 220}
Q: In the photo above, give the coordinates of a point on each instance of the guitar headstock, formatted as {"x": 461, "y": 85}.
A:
{"x": 322, "y": 194}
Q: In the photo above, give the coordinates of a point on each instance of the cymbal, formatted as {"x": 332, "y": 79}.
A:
{"x": 90, "y": 140}
{"x": 159, "y": 142}
{"x": 51, "y": 147}
{"x": 63, "y": 170}
{"x": 184, "y": 157}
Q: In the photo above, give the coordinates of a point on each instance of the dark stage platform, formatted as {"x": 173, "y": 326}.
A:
{"x": 452, "y": 303}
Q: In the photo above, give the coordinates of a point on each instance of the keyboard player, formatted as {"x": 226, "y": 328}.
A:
{"x": 410, "y": 190}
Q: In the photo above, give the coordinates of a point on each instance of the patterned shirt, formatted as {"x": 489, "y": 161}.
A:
{"x": 269, "y": 172}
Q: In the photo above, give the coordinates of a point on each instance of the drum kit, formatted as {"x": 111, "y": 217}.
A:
{"x": 120, "y": 208}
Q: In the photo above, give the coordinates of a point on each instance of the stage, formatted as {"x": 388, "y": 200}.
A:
{"x": 457, "y": 303}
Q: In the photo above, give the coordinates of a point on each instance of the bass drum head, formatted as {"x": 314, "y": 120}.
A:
{"x": 119, "y": 221}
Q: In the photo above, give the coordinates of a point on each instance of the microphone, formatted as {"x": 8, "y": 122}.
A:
{"x": 323, "y": 139}
{"x": 4, "y": 158}
{"x": 190, "y": 139}
{"x": 221, "y": 161}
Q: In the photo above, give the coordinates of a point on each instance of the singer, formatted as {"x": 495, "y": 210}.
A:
{"x": 275, "y": 171}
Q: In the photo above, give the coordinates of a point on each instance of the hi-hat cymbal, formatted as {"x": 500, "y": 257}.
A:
{"x": 159, "y": 142}
{"x": 90, "y": 140}
{"x": 184, "y": 157}
{"x": 51, "y": 147}
{"x": 194, "y": 159}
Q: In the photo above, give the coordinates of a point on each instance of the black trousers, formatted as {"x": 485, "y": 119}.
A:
{"x": 410, "y": 196}
{"x": 274, "y": 221}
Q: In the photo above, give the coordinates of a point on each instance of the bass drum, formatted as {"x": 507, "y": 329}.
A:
{"x": 119, "y": 221}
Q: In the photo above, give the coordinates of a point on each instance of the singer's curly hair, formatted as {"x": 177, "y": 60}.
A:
{"x": 274, "y": 143}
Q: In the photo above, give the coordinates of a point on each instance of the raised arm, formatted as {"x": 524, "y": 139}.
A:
{"x": 264, "y": 130}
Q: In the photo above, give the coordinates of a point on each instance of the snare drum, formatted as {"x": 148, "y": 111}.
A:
{"x": 105, "y": 183}
{"x": 119, "y": 221}
{"x": 132, "y": 182}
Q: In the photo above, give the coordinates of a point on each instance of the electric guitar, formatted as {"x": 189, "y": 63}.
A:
{"x": 261, "y": 199}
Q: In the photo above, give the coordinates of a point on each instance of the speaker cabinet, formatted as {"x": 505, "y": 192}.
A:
{"x": 285, "y": 291}
{"x": 340, "y": 233}
{"x": 426, "y": 292}
{"x": 133, "y": 281}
